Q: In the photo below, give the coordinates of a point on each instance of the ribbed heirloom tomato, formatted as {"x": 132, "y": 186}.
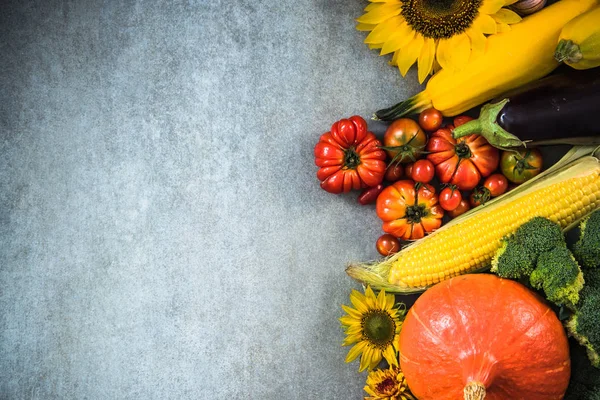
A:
{"x": 409, "y": 210}
{"x": 463, "y": 161}
{"x": 349, "y": 157}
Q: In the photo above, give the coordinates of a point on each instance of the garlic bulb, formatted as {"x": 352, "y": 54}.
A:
{"x": 526, "y": 7}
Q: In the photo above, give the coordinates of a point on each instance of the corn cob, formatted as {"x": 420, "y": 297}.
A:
{"x": 468, "y": 243}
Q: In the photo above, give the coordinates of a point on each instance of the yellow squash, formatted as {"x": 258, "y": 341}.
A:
{"x": 579, "y": 41}
{"x": 511, "y": 59}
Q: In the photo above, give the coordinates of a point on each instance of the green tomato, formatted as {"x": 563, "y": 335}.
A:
{"x": 519, "y": 166}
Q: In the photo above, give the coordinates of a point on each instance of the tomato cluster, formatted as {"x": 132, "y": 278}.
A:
{"x": 400, "y": 173}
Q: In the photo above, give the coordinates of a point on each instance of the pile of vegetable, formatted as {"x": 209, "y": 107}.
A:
{"x": 474, "y": 221}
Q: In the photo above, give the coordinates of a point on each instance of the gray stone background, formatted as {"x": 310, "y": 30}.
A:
{"x": 162, "y": 231}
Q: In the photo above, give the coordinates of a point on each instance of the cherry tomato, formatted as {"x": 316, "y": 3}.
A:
{"x": 521, "y": 165}
{"x": 430, "y": 119}
{"x": 387, "y": 245}
{"x": 404, "y": 140}
{"x": 423, "y": 171}
{"x": 461, "y": 120}
{"x": 394, "y": 172}
{"x": 462, "y": 208}
{"x": 369, "y": 195}
{"x": 450, "y": 198}
{"x": 497, "y": 184}
{"x": 479, "y": 196}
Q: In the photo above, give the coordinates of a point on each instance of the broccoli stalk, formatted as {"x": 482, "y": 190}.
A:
{"x": 587, "y": 248}
{"x": 584, "y": 325}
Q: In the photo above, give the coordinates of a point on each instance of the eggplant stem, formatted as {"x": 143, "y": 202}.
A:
{"x": 487, "y": 126}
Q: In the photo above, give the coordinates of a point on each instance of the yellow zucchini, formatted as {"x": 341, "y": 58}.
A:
{"x": 579, "y": 41}
{"x": 511, "y": 59}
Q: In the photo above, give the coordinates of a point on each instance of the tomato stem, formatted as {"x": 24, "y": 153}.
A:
{"x": 351, "y": 158}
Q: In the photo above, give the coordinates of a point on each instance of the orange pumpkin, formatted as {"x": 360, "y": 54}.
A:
{"x": 409, "y": 210}
{"x": 477, "y": 336}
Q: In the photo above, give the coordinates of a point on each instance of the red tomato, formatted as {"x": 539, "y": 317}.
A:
{"x": 369, "y": 195}
{"x": 430, "y": 119}
{"x": 387, "y": 245}
{"x": 404, "y": 140}
{"x": 463, "y": 161}
{"x": 394, "y": 172}
{"x": 423, "y": 171}
{"x": 408, "y": 210}
{"x": 497, "y": 184}
{"x": 450, "y": 198}
{"x": 479, "y": 196}
{"x": 462, "y": 208}
{"x": 461, "y": 120}
{"x": 349, "y": 157}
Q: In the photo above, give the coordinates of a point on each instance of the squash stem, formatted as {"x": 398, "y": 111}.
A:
{"x": 474, "y": 391}
{"x": 566, "y": 50}
{"x": 487, "y": 126}
{"x": 415, "y": 104}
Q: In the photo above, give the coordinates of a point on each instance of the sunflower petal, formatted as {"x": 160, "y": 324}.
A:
{"x": 358, "y": 300}
{"x": 349, "y": 321}
{"x": 394, "y": 61}
{"x": 376, "y": 357}
{"x": 410, "y": 53}
{"x": 355, "y": 351}
{"x": 384, "y": 30}
{"x": 370, "y": 298}
{"x": 485, "y": 24}
{"x": 501, "y": 27}
{"x": 507, "y": 16}
{"x": 375, "y": 46}
{"x": 426, "y": 59}
{"x": 401, "y": 38}
{"x": 380, "y": 12}
{"x": 491, "y": 6}
{"x": 352, "y": 312}
{"x": 365, "y": 27}
{"x": 351, "y": 339}
{"x": 381, "y": 300}
{"x": 390, "y": 355}
{"x": 443, "y": 53}
{"x": 390, "y": 299}
{"x": 478, "y": 42}
{"x": 354, "y": 330}
{"x": 365, "y": 359}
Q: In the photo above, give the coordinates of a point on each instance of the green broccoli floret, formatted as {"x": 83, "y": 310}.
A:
{"x": 512, "y": 260}
{"x": 517, "y": 256}
{"x": 558, "y": 273}
{"x": 587, "y": 248}
{"x": 584, "y": 325}
{"x": 539, "y": 235}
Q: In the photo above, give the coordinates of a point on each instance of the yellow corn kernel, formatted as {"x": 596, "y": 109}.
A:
{"x": 471, "y": 243}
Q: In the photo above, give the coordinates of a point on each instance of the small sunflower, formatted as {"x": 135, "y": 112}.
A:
{"x": 387, "y": 384}
{"x": 373, "y": 327}
{"x": 434, "y": 33}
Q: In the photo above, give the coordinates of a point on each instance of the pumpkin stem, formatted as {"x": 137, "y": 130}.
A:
{"x": 474, "y": 391}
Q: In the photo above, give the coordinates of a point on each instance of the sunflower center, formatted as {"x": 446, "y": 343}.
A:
{"x": 379, "y": 327}
{"x": 440, "y": 19}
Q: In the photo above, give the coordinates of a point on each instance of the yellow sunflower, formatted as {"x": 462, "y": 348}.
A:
{"x": 434, "y": 33}
{"x": 387, "y": 384}
{"x": 372, "y": 327}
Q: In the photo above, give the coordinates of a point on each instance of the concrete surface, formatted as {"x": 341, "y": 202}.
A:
{"x": 162, "y": 231}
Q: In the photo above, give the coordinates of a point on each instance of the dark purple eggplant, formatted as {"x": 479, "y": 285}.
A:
{"x": 559, "y": 109}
